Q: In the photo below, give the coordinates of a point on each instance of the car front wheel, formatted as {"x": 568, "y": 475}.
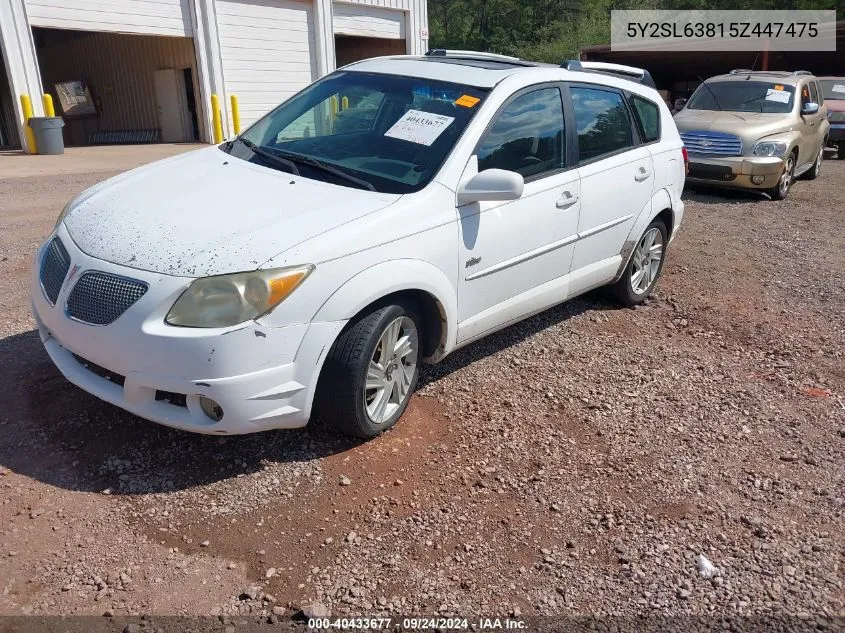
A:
{"x": 370, "y": 372}
{"x": 644, "y": 268}
{"x": 785, "y": 180}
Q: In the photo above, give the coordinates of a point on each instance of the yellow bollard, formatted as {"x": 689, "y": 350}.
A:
{"x": 49, "y": 110}
{"x": 26, "y": 107}
{"x": 344, "y": 103}
{"x": 216, "y": 120}
{"x": 236, "y": 114}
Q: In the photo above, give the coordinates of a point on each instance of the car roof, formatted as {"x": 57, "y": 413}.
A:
{"x": 781, "y": 76}
{"x": 487, "y": 70}
{"x": 481, "y": 73}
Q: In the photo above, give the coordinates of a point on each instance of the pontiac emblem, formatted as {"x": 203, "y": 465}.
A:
{"x": 72, "y": 272}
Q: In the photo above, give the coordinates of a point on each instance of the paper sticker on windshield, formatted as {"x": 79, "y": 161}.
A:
{"x": 420, "y": 127}
{"x": 839, "y": 88}
{"x": 467, "y": 101}
{"x": 781, "y": 96}
{"x": 778, "y": 87}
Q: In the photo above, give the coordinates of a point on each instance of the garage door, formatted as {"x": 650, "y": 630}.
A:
{"x": 365, "y": 21}
{"x": 267, "y": 49}
{"x": 162, "y": 17}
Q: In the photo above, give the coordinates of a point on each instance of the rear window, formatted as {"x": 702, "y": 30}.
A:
{"x": 648, "y": 116}
{"x": 602, "y": 122}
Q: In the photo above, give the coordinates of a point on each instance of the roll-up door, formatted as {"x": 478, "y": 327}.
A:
{"x": 267, "y": 49}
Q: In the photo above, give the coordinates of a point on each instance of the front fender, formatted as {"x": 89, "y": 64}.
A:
{"x": 380, "y": 280}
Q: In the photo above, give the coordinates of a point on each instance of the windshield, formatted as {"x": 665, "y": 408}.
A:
{"x": 388, "y": 133}
{"x": 833, "y": 88}
{"x": 743, "y": 96}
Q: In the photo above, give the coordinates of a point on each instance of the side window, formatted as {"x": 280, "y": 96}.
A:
{"x": 819, "y": 92}
{"x": 814, "y": 92}
{"x": 805, "y": 95}
{"x": 527, "y": 137}
{"x": 649, "y": 117}
{"x": 601, "y": 120}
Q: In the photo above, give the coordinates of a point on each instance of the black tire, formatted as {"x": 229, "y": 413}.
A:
{"x": 815, "y": 170}
{"x": 340, "y": 400}
{"x": 840, "y": 150}
{"x": 780, "y": 191}
{"x": 622, "y": 291}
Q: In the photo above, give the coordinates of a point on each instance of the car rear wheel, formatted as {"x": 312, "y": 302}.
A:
{"x": 816, "y": 169}
{"x": 370, "y": 372}
{"x": 785, "y": 181}
{"x": 644, "y": 267}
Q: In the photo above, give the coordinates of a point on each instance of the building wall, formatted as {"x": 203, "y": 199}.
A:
{"x": 151, "y": 17}
{"x": 119, "y": 70}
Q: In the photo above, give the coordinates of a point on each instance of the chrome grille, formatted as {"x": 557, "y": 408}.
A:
{"x": 706, "y": 143}
{"x": 54, "y": 268}
{"x": 99, "y": 298}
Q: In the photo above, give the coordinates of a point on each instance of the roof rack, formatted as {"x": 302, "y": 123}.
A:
{"x": 783, "y": 73}
{"x": 638, "y": 75}
{"x": 475, "y": 55}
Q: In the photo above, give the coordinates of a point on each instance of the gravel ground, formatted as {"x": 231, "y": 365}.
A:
{"x": 684, "y": 457}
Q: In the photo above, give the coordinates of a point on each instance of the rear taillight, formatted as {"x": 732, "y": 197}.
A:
{"x": 686, "y": 159}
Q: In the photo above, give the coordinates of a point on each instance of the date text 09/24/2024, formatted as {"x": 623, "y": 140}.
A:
{"x": 417, "y": 623}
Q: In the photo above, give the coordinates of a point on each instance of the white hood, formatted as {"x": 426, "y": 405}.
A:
{"x": 208, "y": 213}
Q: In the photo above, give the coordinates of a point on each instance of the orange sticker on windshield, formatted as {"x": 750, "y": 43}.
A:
{"x": 778, "y": 87}
{"x": 467, "y": 101}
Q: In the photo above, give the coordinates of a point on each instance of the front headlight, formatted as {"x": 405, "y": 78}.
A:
{"x": 770, "y": 148}
{"x": 227, "y": 300}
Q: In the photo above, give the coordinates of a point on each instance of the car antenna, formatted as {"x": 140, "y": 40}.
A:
{"x": 710, "y": 90}
{"x": 748, "y": 76}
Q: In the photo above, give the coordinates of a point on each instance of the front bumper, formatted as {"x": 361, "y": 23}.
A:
{"x": 262, "y": 377}
{"x": 736, "y": 171}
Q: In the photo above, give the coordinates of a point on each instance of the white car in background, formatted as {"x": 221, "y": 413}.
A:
{"x": 388, "y": 214}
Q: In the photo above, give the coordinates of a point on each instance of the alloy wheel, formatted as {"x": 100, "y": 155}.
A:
{"x": 391, "y": 370}
{"x": 786, "y": 176}
{"x": 819, "y": 160}
{"x": 646, "y": 260}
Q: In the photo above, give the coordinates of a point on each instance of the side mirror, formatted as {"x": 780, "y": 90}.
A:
{"x": 810, "y": 107}
{"x": 680, "y": 103}
{"x": 491, "y": 184}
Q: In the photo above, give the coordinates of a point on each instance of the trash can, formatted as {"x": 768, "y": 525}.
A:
{"x": 48, "y": 134}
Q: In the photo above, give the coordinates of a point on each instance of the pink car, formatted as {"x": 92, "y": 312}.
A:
{"x": 833, "y": 89}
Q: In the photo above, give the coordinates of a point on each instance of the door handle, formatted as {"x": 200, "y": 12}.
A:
{"x": 566, "y": 200}
{"x": 642, "y": 174}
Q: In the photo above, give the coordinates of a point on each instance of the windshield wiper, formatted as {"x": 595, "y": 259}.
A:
{"x": 326, "y": 167}
{"x": 279, "y": 160}
{"x": 710, "y": 90}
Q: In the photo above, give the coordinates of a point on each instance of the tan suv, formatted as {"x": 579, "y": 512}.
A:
{"x": 755, "y": 130}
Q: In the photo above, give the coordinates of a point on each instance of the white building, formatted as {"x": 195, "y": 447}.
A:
{"x": 151, "y": 66}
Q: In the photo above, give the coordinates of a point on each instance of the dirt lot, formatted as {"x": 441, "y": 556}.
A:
{"x": 576, "y": 463}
